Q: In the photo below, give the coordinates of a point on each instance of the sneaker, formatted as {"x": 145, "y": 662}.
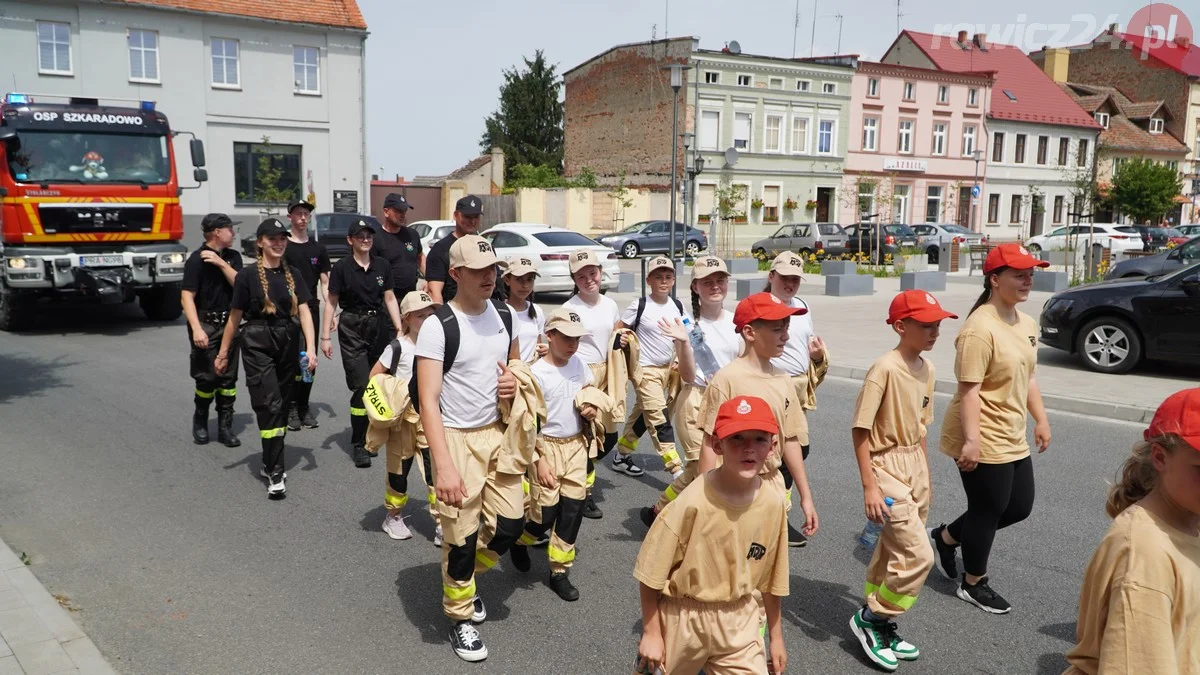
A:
{"x": 293, "y": 420}
{"x": 875, "y": 639}
{"x": 393, "y": 524}
{"x": 466, "y": 642}
{"x": 437, "y": 536}
{"x": 796, "y": 538}
{"x": 361, "y": 459}
{"x": 543, "y": 542}
{"x": 625, "y": 465}
{"x": 561, "y": 584}
{"x": 480, "y": 614}
{"x": 276, "y": 488}
{"x": 903, "y": 649}
{"x": 945, "y": 552}
{"x": 648, "y": 515}
{"x": 520, "y": 558}
{"x": 590, "y": 510}
{"x": 307, "y": 419}
{"x": 982, "y": 596}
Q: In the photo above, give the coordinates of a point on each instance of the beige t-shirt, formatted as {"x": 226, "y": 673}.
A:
{"x": 1002, "y": 358}
{"x": 895, "y": 402}
{"x": 704, "y": 548}
{"x": 743, "y": 377}
{"x": 1139, "y": 608}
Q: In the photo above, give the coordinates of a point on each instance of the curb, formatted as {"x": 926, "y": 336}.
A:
{"x": 1079, "y": 406}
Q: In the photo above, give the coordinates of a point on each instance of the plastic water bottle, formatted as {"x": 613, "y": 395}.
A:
{"x": 305, "y": 375}
{"x": 870, "y": 534}
{"x": 706, "y": 363}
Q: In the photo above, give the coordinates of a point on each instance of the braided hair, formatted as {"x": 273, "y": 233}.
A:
{"x": 695, "y": 300}
{"x": 269, "y": 304}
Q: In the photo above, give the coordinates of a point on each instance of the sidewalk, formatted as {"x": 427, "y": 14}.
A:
{"x": 38, "y": 636}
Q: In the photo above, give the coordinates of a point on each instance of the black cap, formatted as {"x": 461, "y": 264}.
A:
{"x": 360, "y": 226}
{"x": 215, "y": 221}
{"x": 395, "y": 200}
{"x": 469, "y": 206}
{"x": 295, "y": 205}
{"x": 271, "y": 227}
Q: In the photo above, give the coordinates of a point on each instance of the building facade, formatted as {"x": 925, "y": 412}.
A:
{"x": 913, "y": 151}
{"x": 250, "y": 80}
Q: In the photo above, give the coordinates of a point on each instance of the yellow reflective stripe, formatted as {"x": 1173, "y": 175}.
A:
{"x": 591, "y": 478}
{"x": 560, "y": 556}
{"x": 787, "y": 497}
{"x": 904, "y": 602}
{"x": 432, "y": 496}
{"x": 395, "y": 501}
{"x": 482, "y": 559}
{"x": 454, "y": 593}
{"x": 358, "y": 412}
{"x": 670, "y": 493}
{"x": 204, "y": 395}
{"x": 670, "y": 457}
{"x": 527, "y": 539}
{"x": 273, "y": 433}
{"x": 525, "y": 486}
{"x": 625, "y": 443}
{"x": 228, "y": 393}
{"x": 374, "y": 398}
{"x": 298, "y": 378}
{"x": 869, "y": 588}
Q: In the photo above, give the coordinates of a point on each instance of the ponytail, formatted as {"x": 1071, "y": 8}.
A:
{"x": 987, "y": 289}
{"x": 291, "y": 284}
{"x": 268, "y": 304}
{"x": 532, "y": 312}
{"x": 1138, "y": 477}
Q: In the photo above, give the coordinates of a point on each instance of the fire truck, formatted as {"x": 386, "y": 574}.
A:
{"x": 89, "y": 205}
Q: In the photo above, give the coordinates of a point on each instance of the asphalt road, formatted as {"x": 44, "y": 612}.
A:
{"x": 179, "y": 563}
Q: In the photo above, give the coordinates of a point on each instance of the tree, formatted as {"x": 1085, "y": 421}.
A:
{"x": 267, "y": 189}
{"x": 528, "y": 126}
{"x": 542, "y": 176}
{"x": 1144, "y": 189}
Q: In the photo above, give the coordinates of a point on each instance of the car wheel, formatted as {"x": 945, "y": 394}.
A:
{"x": 14, "y": 314}
{"x": 1034, "y": 248}
{"x": 630, "y": 249}
{"x": 1109, "y": 345}
{"x": 692, "y": 248}
{"x": 932, "y": 253}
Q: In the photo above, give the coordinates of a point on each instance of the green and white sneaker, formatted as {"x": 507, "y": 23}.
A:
{"x": 903, "y": 649}
{"x": 876, "y": 641}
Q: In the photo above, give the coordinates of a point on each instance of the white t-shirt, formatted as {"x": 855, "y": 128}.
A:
{"x": 657, "y": 349}
{"x": 722, "y": 339}
{"x": 469, "y": 397}
{"x": 599, "y": 320}
{"x": 795, "y": 360}
{"x": 559, "y": 387}
{"x": 528, "y": 330}
{"x": 408, "y": 354}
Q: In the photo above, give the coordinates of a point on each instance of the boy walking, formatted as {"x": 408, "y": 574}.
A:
{"x": 893, "y": 412}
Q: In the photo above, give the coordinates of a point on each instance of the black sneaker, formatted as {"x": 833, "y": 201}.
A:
{"x": 982, "y": 596}
{"x": 796, "y": 538}
{"x": 590, "y": 510}
{"x": 479, "y": 614}
{"x": 561, "y": 585}
{"x": 307, "y": 419}
{"x": 945, "y": 552}
{"x": 361, "y": 459}
{"x": 648, "y": 515}
{"x": 624, "y": 464}
{"x": 276, "y": 485}
{"x": 520, "y": 558}
{"x": 543, "y": 542}
{"x": 466, "y": 642}
{"x": 293, "y": 420}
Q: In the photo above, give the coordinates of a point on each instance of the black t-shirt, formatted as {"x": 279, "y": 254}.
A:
{"x": 437, "y": 266}
{"x": 248, "y": 292}
{"x": 360, "y": 289}
{"x": 401, "y": 251}
{"x": 311, "y": 258}
{"x": 213, "y": 291}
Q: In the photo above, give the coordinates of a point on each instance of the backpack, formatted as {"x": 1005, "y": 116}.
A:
{"x": 396, "y": 354}
{"x": 445, "y": 315}
{"x": 637, "y": 320}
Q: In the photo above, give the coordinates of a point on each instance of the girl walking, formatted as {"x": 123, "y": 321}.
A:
{"x": 531, "y": 322}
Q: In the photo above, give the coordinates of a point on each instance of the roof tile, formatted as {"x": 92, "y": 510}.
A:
{"x": 1185, "y": 60}
{"x": 335, "y": 13}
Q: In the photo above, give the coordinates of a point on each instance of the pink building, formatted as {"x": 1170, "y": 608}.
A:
{"x": 912, "y": 146}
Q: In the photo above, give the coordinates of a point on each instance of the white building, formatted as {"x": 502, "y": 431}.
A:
{"x": 233, "y": 74}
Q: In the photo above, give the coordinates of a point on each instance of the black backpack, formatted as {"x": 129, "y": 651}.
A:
{"x": 637, "y": 320}
{"x": 450, "y": 328}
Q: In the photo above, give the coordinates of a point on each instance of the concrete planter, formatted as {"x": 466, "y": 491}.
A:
{"x": 744, "y": 288}
{"x": 1058, "y": 257}
{"x": 911, "y": 263}
{"x": 849, "y": 284}
{"x": 1050, "y": 282}
{"x": 836, "y": 267}
{"x": 741, "y": 265}
{"x": 923, "y": 281}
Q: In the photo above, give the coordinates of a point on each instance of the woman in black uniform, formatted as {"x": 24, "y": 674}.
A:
{"x": 362, "y": 286}
{"x": 311, "y": 258}
{"x": 267, "y": 295}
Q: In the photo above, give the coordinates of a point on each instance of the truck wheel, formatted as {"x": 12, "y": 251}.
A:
{"x": 161, "y": 303}
{"x": 14, "y": 314}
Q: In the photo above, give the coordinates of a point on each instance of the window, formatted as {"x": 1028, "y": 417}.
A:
{"x": 866, "y": 199}
{"x": 1064, "y": 145}
{"x": 800, "y": 134}
{"x": 776, "y": 83}
{"x": 803, "y": 85}
{"x": 825, "y": 137}
{"x": 710, "y": 130}
{"x": 305, "y": 61}
{"x": 504, "y": 239}
{"x": 283, "y": 158}
{"x": 993, "y": 208}
{"x": 773, "y": 134}
{"x": 828, "y": 88}
{"x": 1172, "y": 165}
{"x": 1014, "y": 209}
{"x": 557, "y": 239}
{"x": 54, "y": 47}
{"x": 1043, "y": 149}
{"x": 933, "y": 204}
{"x": 939, "y": 139}
{"x": 1019, "y": 150}
{"x": 143, "y": 55}
{"x": 909, "y": 91}
{"x": 870, "y": 133}
{"x": 972, "y": 98}
{"x": 1117, "y": 163}
{"x": 904, "y": 137}
{"x": 745, "y": 80}
{"x": 770, "y": 197}
{"x": 1102, "y": 119}
{"x": 968, "y": 140}
{"x": 943, "y": 94}
{"x": 741, "y": 130}
{"x": 1058, "y": 209}
{"x": 900, "y": 203}
{"x": 225, "y": 70}
{"x": 1156, "y": 125}
{"x": 998, "y": 147}
{"x": 1011, "y": 96}
{"x": 1082, "y": 159}
{"x": 711, "y": 77}
{"x": 873, "y": 88}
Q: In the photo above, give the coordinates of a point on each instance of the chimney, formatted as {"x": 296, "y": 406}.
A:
{"x": 374, "y": 176}
{"x": 962, "y": 39}
{"x": 1183, "y": 41}
{"x": 981, "y": 41}
{"x": 497, "y": 167}
{"x": 1057, "y": 63}
{"x": 1112, "y": 28}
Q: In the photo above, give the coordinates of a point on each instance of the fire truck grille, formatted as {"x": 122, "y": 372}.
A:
{"x": 76, "y": 218}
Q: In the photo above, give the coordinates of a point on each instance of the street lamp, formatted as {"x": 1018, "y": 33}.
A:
{"x": 676, "y": 83}
{"x": 689, "y": 197}
{"x": 694, "y": 170}
{"x": 978, "y": 155}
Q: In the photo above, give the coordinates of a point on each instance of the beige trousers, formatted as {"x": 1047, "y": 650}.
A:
{"x": 651, "y": 405}
{"x": 904, "y": 555}
{"x": 720, "y": 638}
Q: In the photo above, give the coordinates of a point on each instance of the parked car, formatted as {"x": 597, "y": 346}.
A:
{"x": 330, "y": 228}
{"x": 432, "y": 231}
{"x": 1162, "y": 262}
{"x": 1189, "y": 230}
{"x": 550, "y": 247}
{"x": 654, "y": 236}
{"x": 1153, "y": 238}
{"x": 1113, "y": 325}
{"x": 861, "y": 237}
{"x": 802, "y": 238}
{"x": 931, "y": 236}
{"x": 1118, "y": 238}
{"x": 1176, "y": 237}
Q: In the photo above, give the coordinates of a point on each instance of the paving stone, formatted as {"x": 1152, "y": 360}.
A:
{"x": 89, "y": 659}
{"x": 42, "y": 658}
{"x": 9, "y": 666}
{"x": 18, "y": 626}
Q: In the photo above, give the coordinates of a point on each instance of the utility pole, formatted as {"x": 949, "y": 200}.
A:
{"x": 812, "y": 43}
{"x": 795, "y": 29}
{"x": 839, "y": 18}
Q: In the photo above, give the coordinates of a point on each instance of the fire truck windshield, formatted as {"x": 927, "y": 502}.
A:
{"x": 89, "y": 157}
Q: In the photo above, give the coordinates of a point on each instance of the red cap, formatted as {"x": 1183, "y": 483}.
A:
{"x": 744, "y": 413}
{"x": 917, "y": 305}
{"x": 762, "y": 306}
{"x": 1179, "y": 415}
{"x": 1011, "y": 255}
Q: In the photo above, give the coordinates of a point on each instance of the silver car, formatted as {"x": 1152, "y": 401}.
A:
{"x": 802, "y": 238}
{"x": 931, "y": 236}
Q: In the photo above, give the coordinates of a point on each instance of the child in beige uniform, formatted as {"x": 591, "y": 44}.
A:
{"x": 1139, "y": 609}
{"x": 893, "y": 412}
{"x": 721, "y": 540}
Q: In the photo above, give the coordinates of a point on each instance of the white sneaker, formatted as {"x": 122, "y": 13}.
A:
{"x": 478, "y": 611}
{"x": 276, "y": 488}
{"x": 393, "y": 525}
{"x": 437, "y": 536}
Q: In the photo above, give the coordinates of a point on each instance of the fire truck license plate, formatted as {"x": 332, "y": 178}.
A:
{"x": 101, "y": 260}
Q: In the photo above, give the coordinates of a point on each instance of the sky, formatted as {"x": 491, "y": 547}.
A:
{"x": 434, "y": 69}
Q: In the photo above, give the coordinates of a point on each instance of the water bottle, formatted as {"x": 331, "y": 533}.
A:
{"x": 870, "y": 534}
{"x": 305, "y": 375}
{"x": 706, "y": 363}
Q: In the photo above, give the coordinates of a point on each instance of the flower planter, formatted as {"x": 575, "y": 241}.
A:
{"x": 911, "y": 263}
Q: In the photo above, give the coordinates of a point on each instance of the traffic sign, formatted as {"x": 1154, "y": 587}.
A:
{"x": 975, "y": 191}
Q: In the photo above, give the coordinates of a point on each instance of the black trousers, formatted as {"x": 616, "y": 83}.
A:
{"x": 271, "y": 359}
{"x": 998, "y": 495}
{"x": 208, "y": 383}
{"x": 359, "y": 341}
{"x": 304, "y": 389}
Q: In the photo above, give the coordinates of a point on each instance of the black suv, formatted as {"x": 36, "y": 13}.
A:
{"x": 329, "y": 228}
{"x": 862, "y": 237}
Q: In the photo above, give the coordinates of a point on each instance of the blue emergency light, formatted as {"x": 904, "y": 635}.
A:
{"x": 16, "y": 98}
{"x": 147, "y": 106}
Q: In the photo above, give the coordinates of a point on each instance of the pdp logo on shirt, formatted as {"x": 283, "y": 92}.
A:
{"x": 314, "y": 261}
{"x": 379, "y": 281}
{"x": 1032, "y": 340}
{"x": 408, "y": 246}
{"x": 757, "y": 551}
